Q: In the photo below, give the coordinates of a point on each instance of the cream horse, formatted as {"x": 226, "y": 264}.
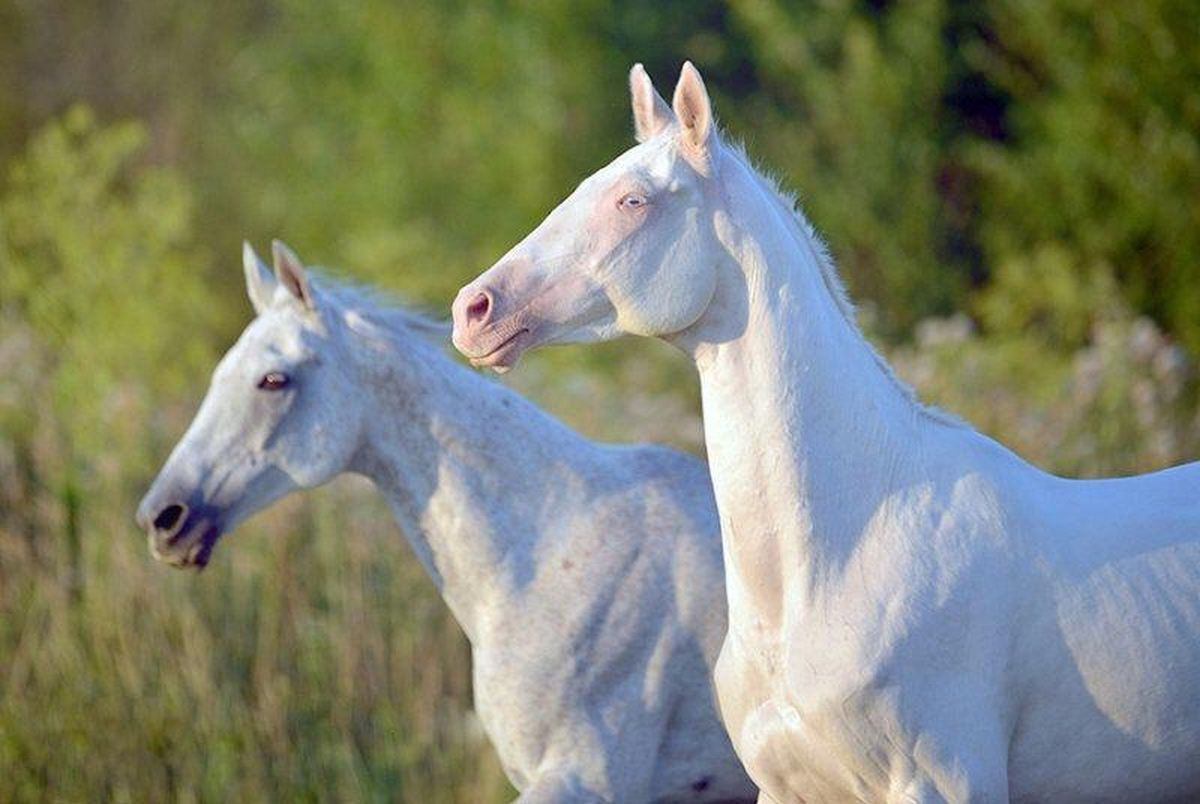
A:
{"x": 916, "y": 614}
{"x": 587, "y": 577}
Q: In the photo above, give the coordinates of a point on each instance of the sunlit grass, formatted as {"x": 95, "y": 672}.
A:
{"x": 312, "y": 660}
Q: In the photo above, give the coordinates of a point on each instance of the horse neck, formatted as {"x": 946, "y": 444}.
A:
{"x": 467, "y": 467}
{"x": 806, "y": 429}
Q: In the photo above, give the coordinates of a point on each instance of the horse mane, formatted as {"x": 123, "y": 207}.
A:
{"x": 378, "y": 307}
{"x": 789, "y": 202}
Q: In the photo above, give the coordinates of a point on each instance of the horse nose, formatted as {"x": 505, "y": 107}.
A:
{"x": 473, "y": 310}
{"x": 479, "y": 308}
{"x": 165, "y": 522}
{"x": 169, "y": 517}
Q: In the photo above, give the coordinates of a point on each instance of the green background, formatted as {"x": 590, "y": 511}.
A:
{"x": 1011, "y": 190}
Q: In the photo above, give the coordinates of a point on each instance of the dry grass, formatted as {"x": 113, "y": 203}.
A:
{"x": 312, "y": 660}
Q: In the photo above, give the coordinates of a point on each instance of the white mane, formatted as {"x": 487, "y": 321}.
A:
{"x": 355, "y": 302}
{"x": 790, "y": 203}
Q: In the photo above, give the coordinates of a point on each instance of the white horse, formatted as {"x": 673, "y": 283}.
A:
{"x": 586, "y": 576}
{"x": 916, "y": 614}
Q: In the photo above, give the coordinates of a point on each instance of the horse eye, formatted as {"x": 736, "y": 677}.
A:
{"x": 632, "y": 201}
{"x": 273, "y": 381}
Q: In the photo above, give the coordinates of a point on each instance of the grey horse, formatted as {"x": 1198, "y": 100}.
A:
{"x": 587, "y": 577}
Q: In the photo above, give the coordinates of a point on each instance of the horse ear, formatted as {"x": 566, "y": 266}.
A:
{"x": 260, "y": 282}
{"x": 290, "y": 273}
{"x": 697, "y": 134}
{"x": 651, "y": 114}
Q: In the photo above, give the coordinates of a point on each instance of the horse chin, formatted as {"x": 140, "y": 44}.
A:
{"x": 507, "y": 354}
{"x": 191, "y": 552}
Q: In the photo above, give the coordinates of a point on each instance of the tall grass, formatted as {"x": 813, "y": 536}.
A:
{"x": 312, "y": 660}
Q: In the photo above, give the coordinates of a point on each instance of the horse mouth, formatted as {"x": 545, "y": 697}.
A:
{"x": 182, "y": 552}
{"x": 505, "y": 355}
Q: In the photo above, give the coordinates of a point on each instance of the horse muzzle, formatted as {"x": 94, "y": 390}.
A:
{"x": 180, "y": 535}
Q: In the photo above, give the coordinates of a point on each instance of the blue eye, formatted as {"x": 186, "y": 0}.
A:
{"x": 632, "y": 201}
{"x": 274, "y": 381}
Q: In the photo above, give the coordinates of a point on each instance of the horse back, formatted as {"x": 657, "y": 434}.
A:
{"x": 1110, "y": 652}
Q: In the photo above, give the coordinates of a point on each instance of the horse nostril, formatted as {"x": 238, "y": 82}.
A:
{"x": 169, "y": 517}
{"x": 478, "y": 308}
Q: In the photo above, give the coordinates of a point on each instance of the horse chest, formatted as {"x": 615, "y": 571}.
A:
{"x": 796, "y": 746}
{"x": 517, "y": 731}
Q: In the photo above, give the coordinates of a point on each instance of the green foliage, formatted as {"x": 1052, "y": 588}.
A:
{"x": 1067, "y": 375}
{"x": 315, "y": 667}
{"x": 1048, "y": 296}
{"x": 850, "y": 111}
{"x": 88, "y": 241}
{"x": 1034, "y": 166}
{"x": 1104, "y": 152}
{"x": 409, "y": 141}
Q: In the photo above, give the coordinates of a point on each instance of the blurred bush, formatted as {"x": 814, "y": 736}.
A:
{"x": 98, "y": 286}
{"x": 1102, "y": 153}
{"x": 317, "y": 667}
{"x": 1010, "y": 189}
{"x": 1062, "y": 371}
